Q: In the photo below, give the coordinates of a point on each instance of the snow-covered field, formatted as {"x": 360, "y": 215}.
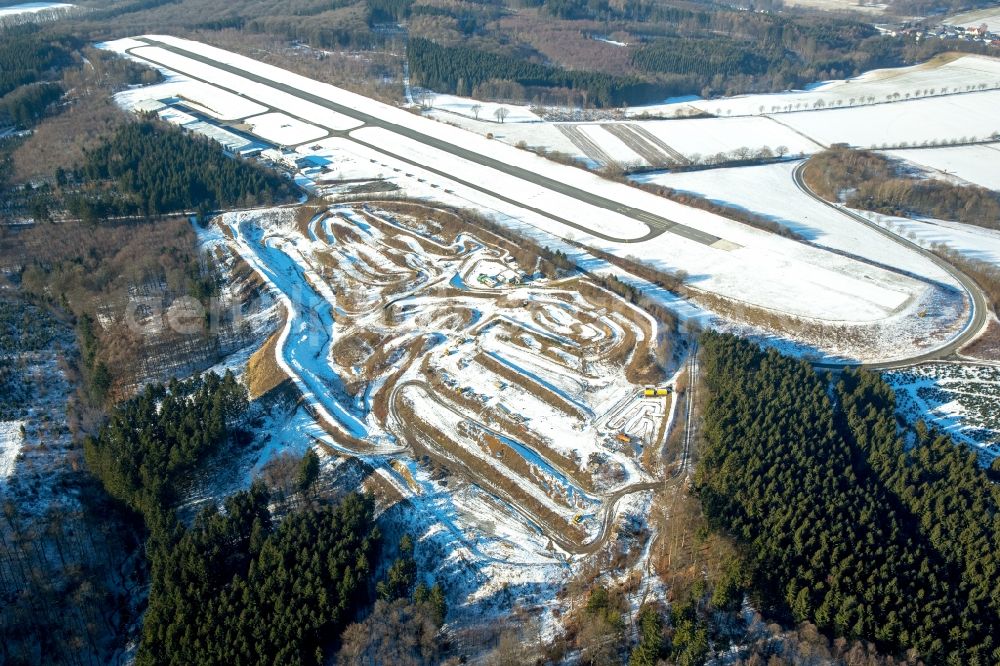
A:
{"x": 989, "y": 15}
{"x": 32, "y": 8}
{"x": 917, "y": 122}
{"x": 971, "y": 241}
{"x": 909, "y": 106}
{"x": 283, "y": 130}
{"x": 707, "y": 136}
{"x": 978, "y": 165}
{"x": 769, "y": 190}
{"x": 927, "y": 79}
{"x": 530, "y": 134}
{"x": 486, "y": 111}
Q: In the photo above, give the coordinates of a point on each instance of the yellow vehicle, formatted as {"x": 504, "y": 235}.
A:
{"x": 578, "y": 518}
{"x": 624, "y": 439}
{"x": 663, "y": 391}
{"x": 649, "y": 392}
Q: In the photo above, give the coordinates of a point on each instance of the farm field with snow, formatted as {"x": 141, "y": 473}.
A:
{"x": 941, "y": 119}
{"x": 469, "y": 385}
{"x": 670, "y": 142}
{"x": 466, "y": 106}
{"x": 948, "y": 100}
{"x": 951, "y": 73}
{"x": 978, "y": 165}
{"x": 769, "y": 190}
{"x": 975, "y": 18}
{"x": 933, "y": 120}
{"x": 970, "y": 241}
{"x": 31, "y": 8}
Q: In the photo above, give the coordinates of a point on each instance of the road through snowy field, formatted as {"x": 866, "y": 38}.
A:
{"x": 770, "y": 190}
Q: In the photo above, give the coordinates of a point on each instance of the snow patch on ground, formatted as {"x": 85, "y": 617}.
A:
{"x": 966, "y": 239}
{"x": 11, "y": 440}
{"x": 959, "y": 399}
{"x": 487, "y": 111}
{"x": 283, "y": 130}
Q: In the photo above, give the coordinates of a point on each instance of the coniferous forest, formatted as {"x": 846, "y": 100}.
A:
{"x": 156, "y": 438}
{"x": 160, "y": 169}
{"x": 239, "y": 586}
{"x": 27, "y": 57}
{"x": 459, "y": 69}
{"x": 840, "y": 523}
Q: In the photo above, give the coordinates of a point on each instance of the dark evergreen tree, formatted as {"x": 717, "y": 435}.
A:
{"x": 160, "y": 169}
{"x": 839, "y": 523}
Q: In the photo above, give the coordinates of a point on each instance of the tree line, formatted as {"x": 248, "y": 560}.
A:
{"x": 27, "y": 57}
{"x": 29, "y": 103}
{"x": 159, "y": 169}
{"x": 239, "y": 587}
{"x": 242, "y": 584}
{"x": 839, "y": 523}
{"x": 460, "y": 69}
{"x": 877, "y": 183}
{"x": 718, "y": 49}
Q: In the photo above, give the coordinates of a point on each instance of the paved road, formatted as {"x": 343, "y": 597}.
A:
{"x": 980, "y": 309}
{"x": 657, "y": 224}
{"x": 684, "y": 460}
